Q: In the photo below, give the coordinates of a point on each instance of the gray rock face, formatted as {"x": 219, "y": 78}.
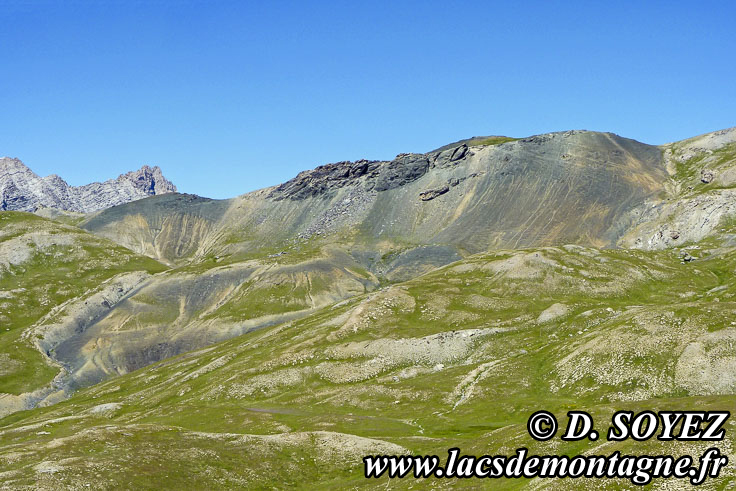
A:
{"x": 22, "y": 190}
{"x": 378, "y": 176}
{"x": 446, "y": 157}
{"x": 325, "y": 178}
{"x": 404, "y": 169}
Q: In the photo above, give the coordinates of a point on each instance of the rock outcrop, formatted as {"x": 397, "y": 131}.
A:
{"x": 377, "y": 176}
{"x": 325, "y": 178}
{"x": 369, "y": 175}
{"x": 431, "y": 194}
{"x": 699, "y": 196}
{"x": 23, "y": 190}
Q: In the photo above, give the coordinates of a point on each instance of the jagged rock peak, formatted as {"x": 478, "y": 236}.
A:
{"x": 23, "y": 190}
{"x": 150, "y": 180}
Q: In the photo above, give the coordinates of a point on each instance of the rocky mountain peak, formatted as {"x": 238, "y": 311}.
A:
{"x": 23, "y": 190}
{"x": 150, "y": 180}
{"x": 12, "y": 165}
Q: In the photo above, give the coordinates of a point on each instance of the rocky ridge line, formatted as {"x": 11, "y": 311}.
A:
{"x": 377, "y": 175}
{"x": 23, "y": 190}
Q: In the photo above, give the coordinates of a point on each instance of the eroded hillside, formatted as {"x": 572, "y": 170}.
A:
{"x": 458, "y": 357}
{"x": 700, "y": 194}
{"x": 44, "y": 265}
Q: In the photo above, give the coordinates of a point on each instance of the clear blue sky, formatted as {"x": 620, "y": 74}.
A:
{"x": 228, "y": 97}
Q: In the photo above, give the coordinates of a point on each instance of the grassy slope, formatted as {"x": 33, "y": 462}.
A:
{"x": 688, "y": 172}
{"x": 494, "y": 140}
{"x": 52, "y": 274}
{"x": 370, "y": 367}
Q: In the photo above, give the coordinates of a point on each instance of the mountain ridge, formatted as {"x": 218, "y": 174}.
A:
{"x": 21, "y": 189}
{"x": 580, "y": 185}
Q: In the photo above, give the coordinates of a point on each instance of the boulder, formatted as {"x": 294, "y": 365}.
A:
{"x": 431, "y": 194}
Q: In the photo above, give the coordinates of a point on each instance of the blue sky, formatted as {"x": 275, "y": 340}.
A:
{"x": 228, "y": 97}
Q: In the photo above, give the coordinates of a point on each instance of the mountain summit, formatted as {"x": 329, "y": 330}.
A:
{"x": 22, "y": 189}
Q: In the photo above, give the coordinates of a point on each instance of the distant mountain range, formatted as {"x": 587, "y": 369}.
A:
{"x": 23, "y": 190}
